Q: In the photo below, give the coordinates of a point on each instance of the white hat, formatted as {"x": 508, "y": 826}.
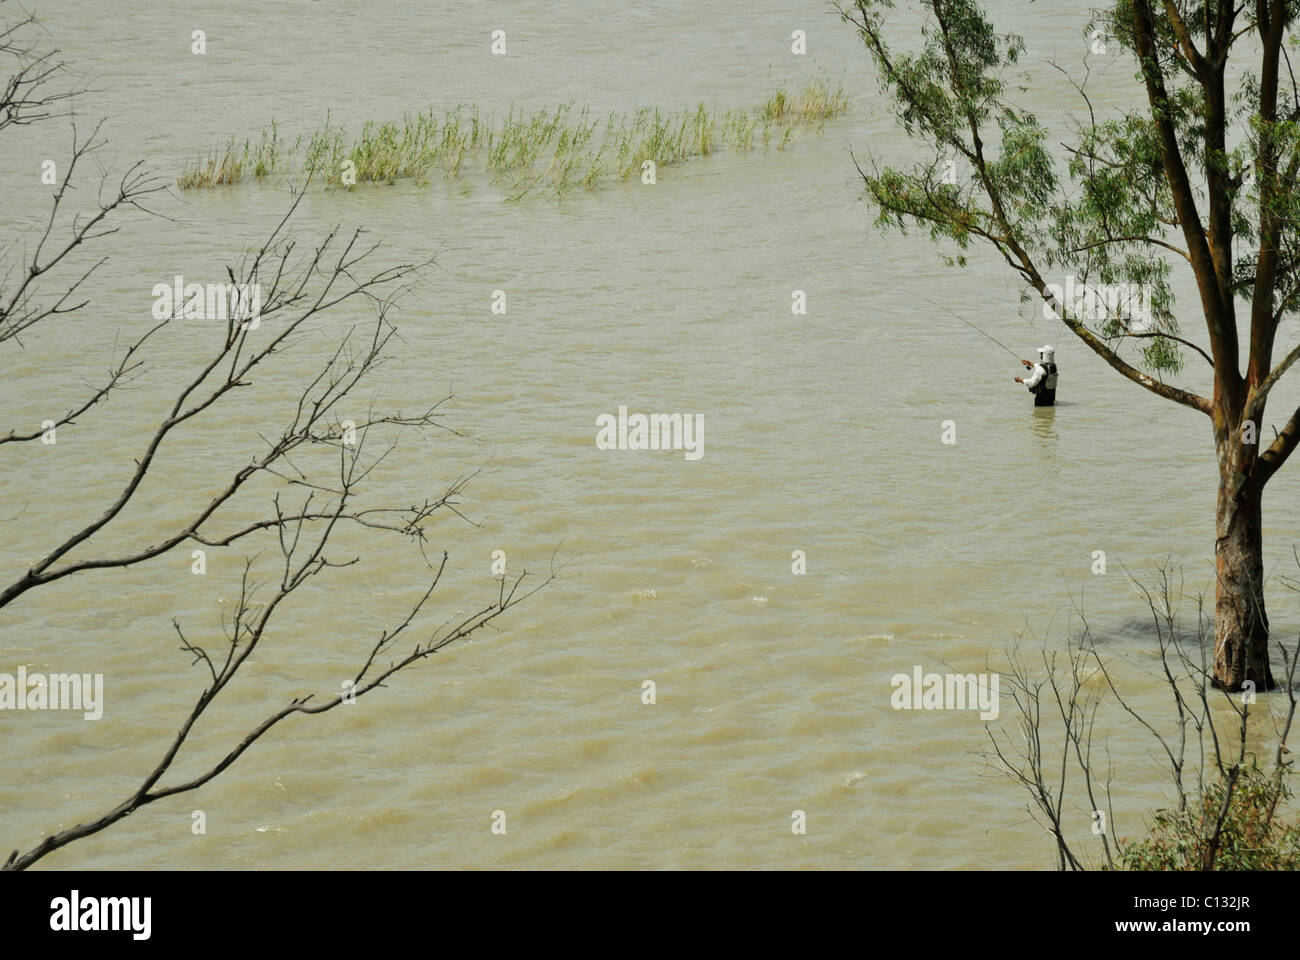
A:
{"x": 1046, "y": 354}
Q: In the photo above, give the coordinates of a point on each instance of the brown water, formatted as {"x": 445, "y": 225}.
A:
{"x": 822, "y": 435}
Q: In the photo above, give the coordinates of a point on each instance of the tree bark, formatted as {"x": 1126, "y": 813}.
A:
{"x": 1240, "y": 619}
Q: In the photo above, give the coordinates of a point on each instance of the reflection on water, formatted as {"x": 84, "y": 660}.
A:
{"x": 1043, "y": 423}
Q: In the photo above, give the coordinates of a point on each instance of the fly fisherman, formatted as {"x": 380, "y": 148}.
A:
{"x": 1043, "y": 382}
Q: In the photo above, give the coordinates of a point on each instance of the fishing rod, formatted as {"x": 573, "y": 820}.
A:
{"x": 976, "y": 329}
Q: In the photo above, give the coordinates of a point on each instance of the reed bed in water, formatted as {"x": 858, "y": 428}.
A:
{"x": 551, "y": 149}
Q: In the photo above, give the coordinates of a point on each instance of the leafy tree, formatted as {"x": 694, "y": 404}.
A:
{"x": 1201, "y": 176}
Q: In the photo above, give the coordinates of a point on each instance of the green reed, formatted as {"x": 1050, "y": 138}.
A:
{"x": 555, "y": 149}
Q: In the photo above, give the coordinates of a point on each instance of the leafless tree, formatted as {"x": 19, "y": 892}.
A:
{"x": 307, "y": 474}
{"x": 1052, "y": 752}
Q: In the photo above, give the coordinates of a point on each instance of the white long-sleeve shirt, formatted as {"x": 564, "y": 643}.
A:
{"x": 1040, "y": 372}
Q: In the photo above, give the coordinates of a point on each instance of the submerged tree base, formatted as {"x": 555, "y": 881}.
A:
{"x": 556, "y": 150}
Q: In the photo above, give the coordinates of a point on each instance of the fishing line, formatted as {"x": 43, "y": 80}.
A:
{"x": 975, "y": 328}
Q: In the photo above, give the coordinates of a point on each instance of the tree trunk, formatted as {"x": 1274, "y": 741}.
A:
{"x": 1240, "y": 620}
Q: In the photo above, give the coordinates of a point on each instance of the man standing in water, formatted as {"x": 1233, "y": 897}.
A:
{"x": 1043, "y": 382}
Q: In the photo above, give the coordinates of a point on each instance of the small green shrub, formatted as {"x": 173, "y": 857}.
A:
{"x": 1253, "y": 835}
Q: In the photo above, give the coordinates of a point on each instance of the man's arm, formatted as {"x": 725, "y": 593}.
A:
{"x": 1039, "y": 372}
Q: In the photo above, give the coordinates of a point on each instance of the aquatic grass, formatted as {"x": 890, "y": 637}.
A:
{"x": 216, "y": 169}
{"x": 265, "y": 159}
{"x": 554, "y": 148}
{"x": 816, "y": 103}
{"x": 236, "y": 161}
